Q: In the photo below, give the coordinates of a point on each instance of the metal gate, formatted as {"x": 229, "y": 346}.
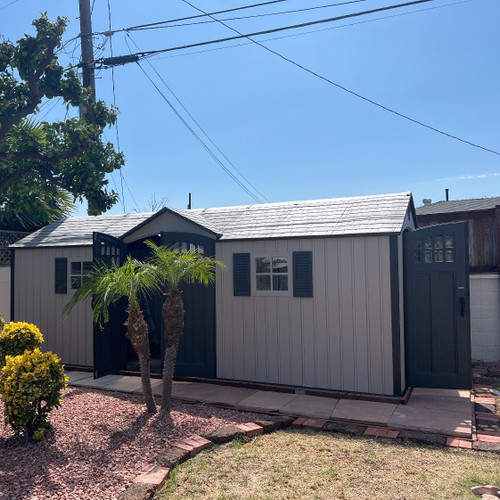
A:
{"x": 436, "y": 294}
{"x": 110, "y": 343}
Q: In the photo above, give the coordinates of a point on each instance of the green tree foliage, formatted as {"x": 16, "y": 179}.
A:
{"x": 174, "y": 268}
{"x": 133, "y": 281}
{"x": 18, "y": 336}
{"x": 31, "y": 385}
{"x": 39, "y": 160}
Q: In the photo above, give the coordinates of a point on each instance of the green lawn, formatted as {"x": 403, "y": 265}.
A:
{"x": 305, "y": 464}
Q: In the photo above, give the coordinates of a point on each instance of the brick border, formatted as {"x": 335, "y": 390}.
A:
{"x": 153, "y": 476}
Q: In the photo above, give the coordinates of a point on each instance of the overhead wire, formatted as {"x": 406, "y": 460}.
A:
{"x": 9, "y": 4}
{"x": 199, "y": 126}
{"x": 330, "y": 28}
{"x": 122, "y": 199}
{"x": 253, "y": 16}
{"x": 275, "y": 30}
{"x": 198, "y": 138}
{"x": 225, "y": 11}
{"x": 356, "y": 94}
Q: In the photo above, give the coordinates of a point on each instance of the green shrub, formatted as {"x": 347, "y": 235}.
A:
{"x": 30, "y": 386}
{"x": 16, "y": 337}
{"x": 2, "y": 322}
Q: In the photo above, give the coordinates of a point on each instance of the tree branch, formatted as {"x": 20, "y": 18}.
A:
{"x": 36, "y": 155}
{"x": 12, "y": 178}
{"x": 35, "y": 98}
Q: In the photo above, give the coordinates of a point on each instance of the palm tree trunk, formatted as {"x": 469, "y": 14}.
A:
{"x": 137, "y": 333}
{"x": 173, "y": 322}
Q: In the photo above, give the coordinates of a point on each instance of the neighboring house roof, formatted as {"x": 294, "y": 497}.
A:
{"x": 446, "y": 207}
{"x": 380, "y": 214}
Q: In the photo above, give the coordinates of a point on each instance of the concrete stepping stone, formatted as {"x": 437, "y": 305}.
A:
{"x": 445, "y": 403}
{"x": 449, "y": 423}
{"x": 266, "y": 401}
{"x": 369, "y": 412}
{"x": 75, "y": 376}
{"x": 442, "y": 393}
{"x": 310, "y": 406}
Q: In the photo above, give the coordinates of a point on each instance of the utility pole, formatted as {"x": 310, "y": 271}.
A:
{"x": 88, "y": 76}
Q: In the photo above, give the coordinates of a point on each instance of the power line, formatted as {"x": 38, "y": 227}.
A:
{"x": 122, "y": 200}
{"x": 199, "y": 126}
{"x": 253, "y": 16}
{"x": 198, "y": 138}
{"x": 345, "y": 89}
{"x": 275, "y": 30}
{"x": 292, "y": 35}
{"x": 179, "y": 19}
{"x": 9, "y": 4}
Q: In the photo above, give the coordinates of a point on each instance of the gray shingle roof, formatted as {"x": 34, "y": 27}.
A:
{"x": 445, "y": 207}
{"x": 330, "y": 217}
{"x": 381, "y": 214}
{"x": 77, "y": 231}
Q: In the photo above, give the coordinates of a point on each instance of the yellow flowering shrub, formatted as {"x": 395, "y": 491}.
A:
{"x": 30, "y": 386}
{"x": 16, "y": 337}
{"x": 2, "y": 322}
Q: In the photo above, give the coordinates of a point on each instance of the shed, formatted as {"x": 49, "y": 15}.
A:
{"x": 483, "y": 218}
{"x": 312, "y": 296}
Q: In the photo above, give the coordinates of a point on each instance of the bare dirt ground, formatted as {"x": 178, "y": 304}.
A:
{"x": 98, "y": 443}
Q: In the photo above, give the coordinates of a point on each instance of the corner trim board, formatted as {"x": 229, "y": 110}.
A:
{"x": 395, "y": 316}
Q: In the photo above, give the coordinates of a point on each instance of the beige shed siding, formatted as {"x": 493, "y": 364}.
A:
{"x": 339, "y": 339}
{"x": 36, "y": 302}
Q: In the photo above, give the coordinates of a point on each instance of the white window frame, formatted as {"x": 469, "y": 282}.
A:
{"x": 253, "y": 274}
{"x": 71, "y": 275}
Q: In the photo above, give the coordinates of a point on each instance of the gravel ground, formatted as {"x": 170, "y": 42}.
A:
{"x": 98, "y": 443}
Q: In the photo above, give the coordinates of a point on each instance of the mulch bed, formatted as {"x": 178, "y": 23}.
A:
{"x": 99, "y": 442}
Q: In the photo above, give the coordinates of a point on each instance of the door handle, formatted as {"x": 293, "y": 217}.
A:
{"x": 462, "y": 306}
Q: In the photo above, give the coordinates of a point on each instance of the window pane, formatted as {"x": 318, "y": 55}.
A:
{"x": 262, "y": 265}
{"x": 264, "y": 282}
{"x": 448, "y": 241}
{"x": 428, "y": 256}
{"x": 76, "y": 282}
{"x": 76, "y": 268}
{"x": 438, "y": 242}
{"x": 449, "y": 255}
{"x": 280, "y": 282}
{"x": 438, "y": 256}
{"x": 200, "y": 249}
{"x": 87, "y": 267}
{"x": 280, "y": 265}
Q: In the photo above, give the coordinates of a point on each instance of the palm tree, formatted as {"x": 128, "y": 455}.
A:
{"x": 133, "y": 280}
{"x": 174, "y": 268}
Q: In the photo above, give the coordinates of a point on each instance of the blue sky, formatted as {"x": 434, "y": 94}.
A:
{"x": 292, "y": 135}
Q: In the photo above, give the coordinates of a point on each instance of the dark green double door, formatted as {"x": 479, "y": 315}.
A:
{"x": 196, "y": 356}
{"x": 436, "y": 295}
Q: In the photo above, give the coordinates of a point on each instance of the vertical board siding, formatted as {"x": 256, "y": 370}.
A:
{"x": 338, "y": 339}
{"x": 36, "y": 302}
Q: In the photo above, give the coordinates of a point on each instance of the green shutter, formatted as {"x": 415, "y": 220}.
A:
{"x": 241, "y": 274}
{"x": 302, "y": 274}
{"x": 61, "y": 281}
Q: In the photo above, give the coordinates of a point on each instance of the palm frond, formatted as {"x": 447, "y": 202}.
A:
{"x": 133, "y": 280}
{"x": 175, "y": 267}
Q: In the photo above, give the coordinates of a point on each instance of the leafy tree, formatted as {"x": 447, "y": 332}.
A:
{"x": 175, "y": 268}
{"x": 40, "y": 160}
{"x": 133, "y": 280}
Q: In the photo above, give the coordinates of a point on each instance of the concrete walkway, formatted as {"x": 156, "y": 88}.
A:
{"x": 438, "y": 411}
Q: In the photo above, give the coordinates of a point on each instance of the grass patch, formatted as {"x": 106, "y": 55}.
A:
{"x": 302, "y": 464}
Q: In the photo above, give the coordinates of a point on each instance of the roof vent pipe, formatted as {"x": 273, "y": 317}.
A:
{"x": 447, "y": 192}
{"x": 427, "y": 201}
{"x": 189, "y": 202}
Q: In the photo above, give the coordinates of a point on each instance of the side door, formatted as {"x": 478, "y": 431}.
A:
{"x": 196, "y": 357}
{"x": 436, "y": 295}
{"x": 110, "y": 343}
